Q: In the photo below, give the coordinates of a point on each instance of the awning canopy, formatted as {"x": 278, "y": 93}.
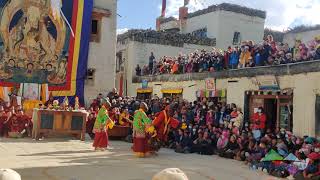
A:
{"x": 172, "y": 91}
{"x": 144, "y": 90}
{"x": 211, "y": 93}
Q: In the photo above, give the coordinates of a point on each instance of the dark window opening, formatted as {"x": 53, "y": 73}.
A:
{"x": 236, "y": 38}
{"x": 94, "y": 26}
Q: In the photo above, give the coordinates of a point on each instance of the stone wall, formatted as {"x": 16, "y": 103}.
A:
{"x": 165, "y": 38}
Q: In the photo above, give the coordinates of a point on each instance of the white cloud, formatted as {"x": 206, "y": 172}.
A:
{"x": 121, "y": 31}
{"x": 281, "y": 14}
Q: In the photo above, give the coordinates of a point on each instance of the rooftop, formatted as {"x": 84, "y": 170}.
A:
{"x": 225, "y": 7}
{"x": 165, "y": 38}
{"x": 304, "y": 28}
{"x": 288, "y": 69}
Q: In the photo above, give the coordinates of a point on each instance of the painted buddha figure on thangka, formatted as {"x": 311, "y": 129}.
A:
{"x": 34, "y": 37}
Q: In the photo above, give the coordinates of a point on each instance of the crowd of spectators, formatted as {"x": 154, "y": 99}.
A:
{"x": 268, "y": 53}
{"x": 209, "y": 127}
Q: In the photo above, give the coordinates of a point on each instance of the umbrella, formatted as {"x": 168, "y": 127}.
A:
{"x": 291, "y": 157}
{"x": 272, "y": 156}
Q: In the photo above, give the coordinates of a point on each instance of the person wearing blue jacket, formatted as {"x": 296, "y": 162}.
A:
{"x": 234, "y": 59}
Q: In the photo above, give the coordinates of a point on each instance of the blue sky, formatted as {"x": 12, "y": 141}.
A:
{"x": 281, "y": 14}
{"x": 138, "y": 13}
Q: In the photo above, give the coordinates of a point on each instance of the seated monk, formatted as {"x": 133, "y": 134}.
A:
{"x": 25, "y": 121}
{"x": 49, "y": 102}
{"x": 124, "y": 118}
{"x": 114, "y": 115}
{"x": 3, "y": 119}
{"x": 15, "y": 124}
{"x": 8, "y": 111}
{"x": 7, "y": 107}
{"x": 90, "y": 124}
{"x": 95, "y": 104}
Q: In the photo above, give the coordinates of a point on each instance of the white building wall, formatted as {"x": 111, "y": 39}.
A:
{"x": 102, "y": 54}
{"x": 250, "y": 28}
{"x": 304, "y": 36}
{"x": 169, "y": 25}
{"x": 222, "y": 25}
{"x": 209, "y": 21}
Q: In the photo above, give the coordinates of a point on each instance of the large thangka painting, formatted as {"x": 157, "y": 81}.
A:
{"x": 40, "y": 42}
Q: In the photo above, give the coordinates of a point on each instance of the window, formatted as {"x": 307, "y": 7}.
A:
{"x": 94, "y": 26}
{"x": 90, "y": 74}
{"x": 95, "y": 29}
{"x": 119, "y": 62}
{"x": 236, "y": 38}
{"x": 200, "y": 33}
{"x": 97, "y": 15}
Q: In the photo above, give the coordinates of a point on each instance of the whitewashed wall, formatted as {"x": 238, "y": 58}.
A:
{"x": 102, "y": 54}
{"x": 304, "y": 36}
{"x": 250, "y": 28}
{"x": 222, "y": 25}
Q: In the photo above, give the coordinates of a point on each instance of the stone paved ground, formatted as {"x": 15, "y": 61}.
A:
{"x": 61, "y": 159}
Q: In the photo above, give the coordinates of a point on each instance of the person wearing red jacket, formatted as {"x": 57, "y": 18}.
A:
{"x": 162, "y": 124}
{"x": 258, "y": 121}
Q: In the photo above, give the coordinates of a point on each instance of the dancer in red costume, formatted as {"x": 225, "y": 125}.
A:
{"x": 162, "y": 124}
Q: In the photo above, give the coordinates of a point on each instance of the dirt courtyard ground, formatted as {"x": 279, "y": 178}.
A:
{"x": 62, "y": 159}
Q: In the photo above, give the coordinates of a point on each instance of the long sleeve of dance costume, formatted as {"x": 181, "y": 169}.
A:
{"x": 140, "y": 120}
{"x": 102, "y": 118}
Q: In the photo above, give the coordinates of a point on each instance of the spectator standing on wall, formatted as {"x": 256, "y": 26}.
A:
{"x": 151, "y": 59}
{"x": 265, "y": 52}
{"x": 317, "y": 54}
{"x": 138, "y": 70}
{"x": 234, "y": 59}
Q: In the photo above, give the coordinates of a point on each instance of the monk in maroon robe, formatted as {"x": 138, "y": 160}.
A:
{"x": 24, "y": 121}
{"x": 3, "y": 119}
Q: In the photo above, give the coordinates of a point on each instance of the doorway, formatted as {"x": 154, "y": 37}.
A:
{"x": 277, "y": 107}
{"x": 270, "y": 109}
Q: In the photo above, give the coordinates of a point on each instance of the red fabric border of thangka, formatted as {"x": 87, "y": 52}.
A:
{"x": 67, "y": 86}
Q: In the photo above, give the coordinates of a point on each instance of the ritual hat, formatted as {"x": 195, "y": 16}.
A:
{"x": 9, "y": 174}
{"x": 170, "y": 174}
{"x": 106, "y": 102}
{"x": 143, "y": 104}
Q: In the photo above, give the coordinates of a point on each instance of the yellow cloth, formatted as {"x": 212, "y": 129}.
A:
{"x": 110, "y": 124}
{"x": 184, "y": 126}
{"x": 122, "y": 118}
{"x": 31, "y": 104}
{"x": 2, "y": 92}
{"x": 245, "y": 57}
{"x": 150, "y": 130}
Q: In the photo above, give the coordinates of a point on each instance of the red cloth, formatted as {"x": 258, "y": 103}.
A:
{"x": 140, "y": 145}
{"x": 160, "y": 125}
{"x": 24, "y": 121}
{"x": 2, "y": 120}
{"x": 100, "y": 140}
{"x": 90, "y": 124}
{"x": 259, "y": 121}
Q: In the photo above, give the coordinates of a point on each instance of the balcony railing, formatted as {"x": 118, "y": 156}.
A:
{"x": 280, "y": 70}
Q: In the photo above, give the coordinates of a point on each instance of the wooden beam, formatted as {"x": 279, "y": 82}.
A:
{"x": 98, "y": 12}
